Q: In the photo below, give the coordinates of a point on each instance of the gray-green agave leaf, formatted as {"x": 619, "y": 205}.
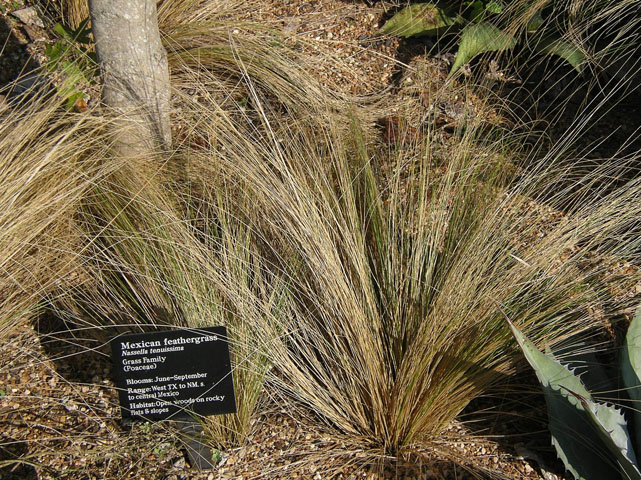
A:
{"x": 613, "y": 430}
{"x": 590, "y": 438}
{"x": 631, "y": 370}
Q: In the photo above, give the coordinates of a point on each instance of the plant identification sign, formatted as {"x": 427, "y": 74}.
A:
{"x": 174, "y": 374}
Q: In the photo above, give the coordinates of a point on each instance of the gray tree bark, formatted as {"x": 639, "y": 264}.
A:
{"x": 135, "y": 74}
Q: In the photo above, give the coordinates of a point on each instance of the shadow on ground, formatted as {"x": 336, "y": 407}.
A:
{"x": 78, "y": 355}
{"x": 18, "y": 470}
{"x": 15, "y": 59}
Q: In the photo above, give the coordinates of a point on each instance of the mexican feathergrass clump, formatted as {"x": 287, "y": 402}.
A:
{"x": 49, "y": 161}
{"x": 109, "y": 245}
{"x": 151, "y": 264}
{"x": 161, "y": 246}
{"x": 397, "y": 283}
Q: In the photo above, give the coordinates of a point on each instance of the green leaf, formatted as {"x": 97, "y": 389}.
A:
{"x": 74, "y": 73}
{"x": 420, "y": 19}
{"x": 477, "y": 11}
{"x": 73, "y": 78}
{"x": 64, "y": 32}
{"x": 216, "y": 455}
{"x": 563, "y": 49}
{"x": 53, "y": 51}
{"x": 494, "y": 6}
{"x": 535, "y": 22}
{"x": 480, "y": 38}
{"x": 81, "y": 34}
{"x": 574, "y": 435}
{"x": 550, "y": 372}
{"x": 71, "y": 100}
{"x": 83, "y": 39}
{"x": 631, "y": 369}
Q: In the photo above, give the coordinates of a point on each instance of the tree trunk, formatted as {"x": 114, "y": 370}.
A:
{"x": 133, "y": 65}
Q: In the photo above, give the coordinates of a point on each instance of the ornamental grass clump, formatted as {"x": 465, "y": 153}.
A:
{"x": 49, "y": 160}
{"x": 161, "y": 246}
{"x": 152, "y": 262}
{"x": 394, "y": 281}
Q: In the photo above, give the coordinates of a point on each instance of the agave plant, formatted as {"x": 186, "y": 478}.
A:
{"x": 590, "y": 437}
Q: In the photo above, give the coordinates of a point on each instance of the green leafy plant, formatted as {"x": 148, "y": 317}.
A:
{"x": 216, "y": 455}
{"x": 484, "y": 26}
{"x": 582, "y": 428}
{"x": 12, "y": 5}
{"x": 70, "y": 55}
{"x": 146, "y": 427}
{"x": 162, "y": 449}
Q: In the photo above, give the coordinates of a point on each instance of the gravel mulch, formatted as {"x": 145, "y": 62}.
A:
{"x": 59, "y": 418}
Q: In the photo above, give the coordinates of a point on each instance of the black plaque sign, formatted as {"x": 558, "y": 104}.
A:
{"x": 174, "y": 374}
